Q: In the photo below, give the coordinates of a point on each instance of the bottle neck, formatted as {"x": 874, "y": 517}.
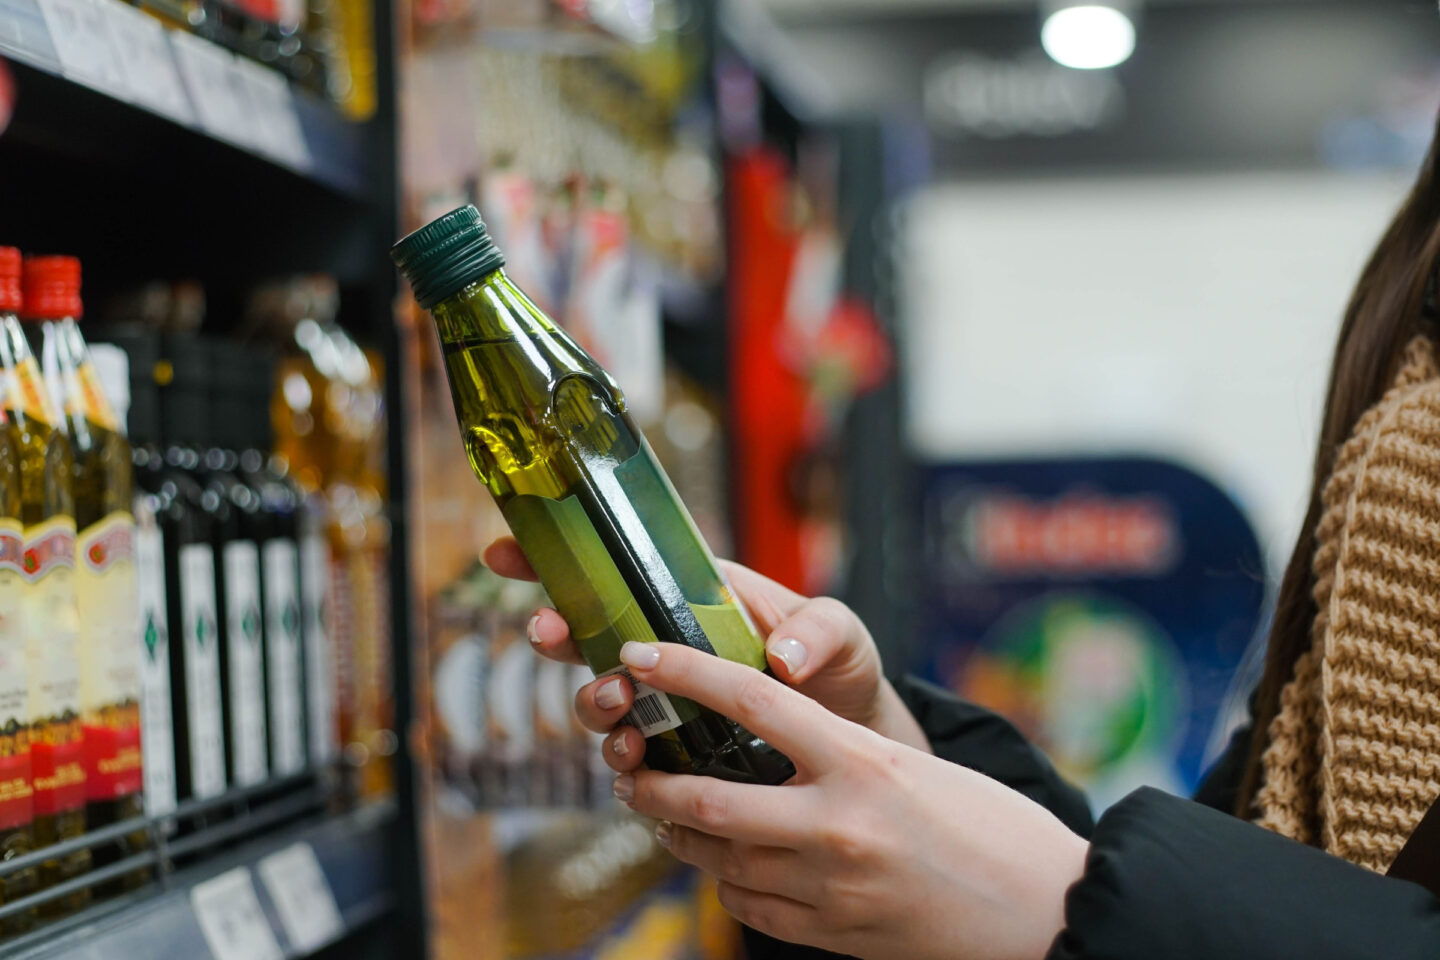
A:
{"x": 490, "y": 309}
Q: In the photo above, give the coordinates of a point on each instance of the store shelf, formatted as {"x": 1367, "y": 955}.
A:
{"x": 352, "y": 854}
{"x": 115, "y": 87}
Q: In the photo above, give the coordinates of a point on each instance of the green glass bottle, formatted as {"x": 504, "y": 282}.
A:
{"x": 547, "y": 431}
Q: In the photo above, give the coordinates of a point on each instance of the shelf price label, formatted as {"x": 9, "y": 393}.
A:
{"x": 149, "y": 63}
{"x": 276, "y": 129}
{"x": 80, "y": 30}
{"x": 302, "y": 896}
{"x": 215, "y": 88}
{"x": 230, "y": 917}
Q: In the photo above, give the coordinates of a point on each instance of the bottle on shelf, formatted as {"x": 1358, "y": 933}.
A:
{"x": 309, "y": 523}
{"x": 242, "y": 431}
{"x": 186, "y": 509}
{"x": 16, "y": 785}
{"x": 51, "y": 291}
{"x": 547, "y": 431}
{"x": 128, "y": 381}
{"x": 105, "y": 585}
{"x": 236, "y": 528}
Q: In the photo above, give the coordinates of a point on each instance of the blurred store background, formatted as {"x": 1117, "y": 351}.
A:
{"x": 1006, "y": 322}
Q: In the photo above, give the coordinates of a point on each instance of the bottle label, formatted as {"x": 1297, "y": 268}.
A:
{"x": 157, "y": 724}
{"x": 16, "y": 799}
{"x": 319, "y": 673}
{"x": 284, "y": 648}
{"x": 53, "y": 664}
{"x": 652, "y": 711}
{"x": 202, "y": 670}
{"x": 107, "y": 595}
{"x": 246, "y": 633}
{"x": 588, "y": 589}
{"x": 26, "y": 392}
{"x": 91, "y": 400}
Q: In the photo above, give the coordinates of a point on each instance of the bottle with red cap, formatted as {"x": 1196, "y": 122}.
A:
{"x": 47, "y": 507}
{"x": 105, "y": 578}
{"x": 16, "y": 809}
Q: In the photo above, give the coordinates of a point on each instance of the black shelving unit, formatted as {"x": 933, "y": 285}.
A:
{"x": 139, "y": 194}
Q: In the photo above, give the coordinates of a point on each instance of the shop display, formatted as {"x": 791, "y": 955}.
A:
{"x": 546, "y": 430}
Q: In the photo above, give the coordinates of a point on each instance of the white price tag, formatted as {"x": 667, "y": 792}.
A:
{"x": 229, "y": 912}
{"x": 81, "y": 33}
{"x": 216, "y": 89}
{"x": 302, "y": 896}
{"x": 149, "y": 62}
{"x": 276, "y": 124}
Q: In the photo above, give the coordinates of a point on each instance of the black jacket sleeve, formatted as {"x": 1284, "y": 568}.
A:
{"x": 1171, "y": 878}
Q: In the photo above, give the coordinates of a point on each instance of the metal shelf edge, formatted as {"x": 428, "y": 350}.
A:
{"x": 351, "y": 849}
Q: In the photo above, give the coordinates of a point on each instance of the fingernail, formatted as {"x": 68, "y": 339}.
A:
{"x": 641, "y": 656}
{"x": 664, "y": 833}
{"x": 608, "y": 695}
{"x": 530, "y": 630}
{"x": 791, "y": 652}
{"x": 620, "y": 746}
{"x": 625, "y": 788}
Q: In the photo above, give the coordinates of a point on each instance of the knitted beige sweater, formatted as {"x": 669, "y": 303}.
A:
{"x": 1353, "y": 761}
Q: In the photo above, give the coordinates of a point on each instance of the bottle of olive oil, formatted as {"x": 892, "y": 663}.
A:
{"x": 47, "y": 507}
{"x": 186, "y": 510}
{"x": 16, "y": 785}
{"x": 127, "y": 377}
{"x": 237, "y": 526}
{"x": 242, "y": 430}
{"x": 547, "y": 431}
{"x": 105, "y": 585}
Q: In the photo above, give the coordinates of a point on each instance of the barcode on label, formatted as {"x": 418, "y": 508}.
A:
{"x": 652, "y": 711}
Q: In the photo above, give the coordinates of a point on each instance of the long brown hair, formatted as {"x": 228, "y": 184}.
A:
{"x": 1386, "y": 311}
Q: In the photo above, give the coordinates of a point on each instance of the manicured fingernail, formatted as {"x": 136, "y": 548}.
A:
{"x": 641, "y": 656}
{"x": 624, "y": 788}
{"x": 620, "y": 746}
{"x": 530, "y": 630}
{"x": 608, "y": 695}
{"x": 791, "y": 652}
{"x": 664, "y": 832}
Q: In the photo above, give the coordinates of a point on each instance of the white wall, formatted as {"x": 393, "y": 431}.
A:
{"x": 1190, "y": 317}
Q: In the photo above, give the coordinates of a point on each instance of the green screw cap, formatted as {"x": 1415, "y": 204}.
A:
{"x": 447, "y": 255}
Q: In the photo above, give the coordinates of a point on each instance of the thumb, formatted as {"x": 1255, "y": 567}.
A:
{"x": 821, "y": 634}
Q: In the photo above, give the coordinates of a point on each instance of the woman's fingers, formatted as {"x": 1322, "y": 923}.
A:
{"x": 813, "y": 635}
{"x": 549, "y": 634}
{"x": 765, "y": 869}
{"x": 603, "y": 703}
{"x": 776, "y": 916}
{"x": 505, "y": 557}
{"x": 768, "y": 602}
{"x": 624, "y": 750}
{"x": 791, "y": 722}
{"x": 764, "y": 816}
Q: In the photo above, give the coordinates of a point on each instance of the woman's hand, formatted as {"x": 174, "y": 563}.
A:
{"x": 874, "y": 849}
{"x": 818, "y": 646}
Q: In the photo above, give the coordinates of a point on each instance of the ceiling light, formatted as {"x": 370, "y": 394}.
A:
{"x": 1090, "y": 37}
